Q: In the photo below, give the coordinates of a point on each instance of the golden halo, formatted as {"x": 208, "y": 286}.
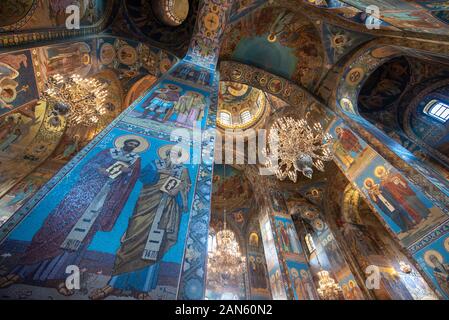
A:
{"x": 166, "y": 86}
{"x": 12, "y": 89}
{"x": 368, "y": 180}
{"x": 271, "y": 38}
{"x": 294, "y": 272}
{"x": 144, "y": 145}
{"x": 351, "y": 282}
{"x": 184, "y": 158}
{"x": 304, "y": 273}
{"x": 318, "y": 224}
{"x": 237, "y": 89}
{"x": 446, "y": 244}
{"x": 346, "y": 104}
{"x": 379, "y": 171}
{"x": 434, "y": 253}
{"x": 194, "y": 93}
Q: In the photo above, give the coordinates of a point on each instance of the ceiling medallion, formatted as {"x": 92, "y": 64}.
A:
{"x": 296, "y": 146}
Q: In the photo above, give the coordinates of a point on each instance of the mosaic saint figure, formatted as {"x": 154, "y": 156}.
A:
{"x": 153, "y": 228}
{"x": 294, "y": 241}
{"x": 400, "y": 190}
{"x": 284, "y": 237}
{"x": 261, "y": 274}
{"x": 161, "y": 102}
{"x": 355, "y": 291}
{"x": 440, "y": 269}
{"x": 22, "y": 194}
{"x": 92, "y": 204}
{"x": 348, "y": 140}
{"x": 189, "y": 108}
{"x": 9, "y": 72}
{"x": 71, "y": 58}
{"x": 388, "y": 205}
{"x": 10, "y": 139}
{"x": 70, "y": 149}
{"x": 297, "y": 284}
{"x": 309, "y": 290}
{"x": 258, "y": 274}
{"x": 6, "y": 128}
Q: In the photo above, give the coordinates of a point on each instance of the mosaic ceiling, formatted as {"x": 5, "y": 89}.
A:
{"x": 279, "y": 41}
{"x": 240, "y": 106}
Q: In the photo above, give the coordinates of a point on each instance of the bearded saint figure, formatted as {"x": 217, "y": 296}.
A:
{"x": 153, "y": 228}
{"x": 92, "y": 204}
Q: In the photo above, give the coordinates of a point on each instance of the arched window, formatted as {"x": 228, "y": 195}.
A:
{"x": 438, "y": 110}
{"x": 310, "y": 244}
{"x": 245, "y": 116}
{"x": 225, "y": 118}
{"x": 212, "y": 243}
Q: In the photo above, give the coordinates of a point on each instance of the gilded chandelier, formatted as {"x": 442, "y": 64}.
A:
{"x": 81, "y": 100}
{"x": 328, "y": 289}
{"x": 295, "y": 146}
{"x": 226, "y": 262}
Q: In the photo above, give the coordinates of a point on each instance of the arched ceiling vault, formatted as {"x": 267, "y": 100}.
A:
{"x": 280, "y": 41}
{"x": 318, "y": 12}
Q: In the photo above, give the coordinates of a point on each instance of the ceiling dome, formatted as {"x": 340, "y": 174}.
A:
{"x": 171, "y": 12}
{"x": 240, "y": 106}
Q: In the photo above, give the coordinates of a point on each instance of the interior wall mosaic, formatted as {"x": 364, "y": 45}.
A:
{"x": 33, "y": 133}
{"x": 127, "y": 180}
{"x": 29, "y": 21}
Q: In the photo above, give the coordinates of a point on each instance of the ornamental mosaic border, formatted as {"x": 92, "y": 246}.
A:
{"x": 193, "y": 273}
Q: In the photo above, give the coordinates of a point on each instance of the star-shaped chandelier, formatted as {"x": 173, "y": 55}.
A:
{"x": 80, "y": 100}
{"x": 295, "y": 146}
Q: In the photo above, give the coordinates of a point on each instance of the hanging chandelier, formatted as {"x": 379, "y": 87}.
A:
{"x": 296, "y": 146}
{"x": 80, "y": 100}
{"x": 225, "y": 263}
{"x": 328, "y": 289}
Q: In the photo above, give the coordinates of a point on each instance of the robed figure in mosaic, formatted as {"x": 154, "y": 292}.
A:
{"x": 153, "y": 228}
{"x": 92, "y": 204}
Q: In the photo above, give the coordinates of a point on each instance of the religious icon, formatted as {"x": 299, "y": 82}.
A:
{"x": 440, "y": 269}
{"x": 161, "y": 102}
{"x": 254, "y": 240}
{"x": 354, "y": 290}
{"x": 400, "y": 190}
{"x": 284, "y": 240}
{"x": 189, "y": 108}
{"x": 70, "y": 149}
{"x": 92, "y": 204}
{"x": 73, "y": 58}
{"x": 346, "y": 144}
{"x": 297, "y": 284}
{"x": 258, "y": 273}
{"x": 294, "y": 240}
{"x": 308, "y": 289}
{"x": 388, "y": 205}
{"x": 9, "y": 72}
{"x": 154, "y": 226}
